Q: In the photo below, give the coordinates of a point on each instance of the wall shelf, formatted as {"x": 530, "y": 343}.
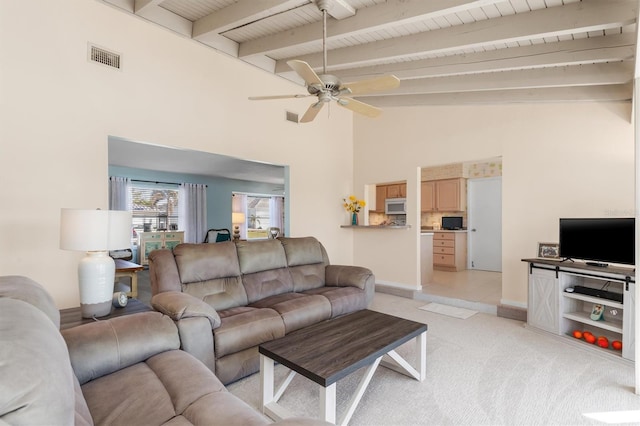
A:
{"x": 376, "y": 226}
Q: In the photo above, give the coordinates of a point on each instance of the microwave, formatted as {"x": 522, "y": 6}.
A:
{"x": 395, "y": 206}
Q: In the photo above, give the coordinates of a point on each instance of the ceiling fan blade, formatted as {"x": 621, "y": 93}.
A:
{"x": 386, "y": 82}
{"x": 305, "y": 71}
{"x": 311, "y": 113}
{"x": 261, "y": 98}
{"x": 359, "y": 107}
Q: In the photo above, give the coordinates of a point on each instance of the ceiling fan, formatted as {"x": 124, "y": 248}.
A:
{"x": 327, "y": 87}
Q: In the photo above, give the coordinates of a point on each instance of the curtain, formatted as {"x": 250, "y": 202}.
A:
{"x": 119, "y": 194}
{"x": 276, "y": 213}
{"x": 192, "y": 217}
{"x": 239, "y": 204}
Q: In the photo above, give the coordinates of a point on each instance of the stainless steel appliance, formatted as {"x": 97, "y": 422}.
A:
{"x": 395, "y": 206}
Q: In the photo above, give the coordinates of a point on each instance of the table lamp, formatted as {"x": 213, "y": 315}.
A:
{"x": 95, "y": 232}
{"x": 237, "y": 219}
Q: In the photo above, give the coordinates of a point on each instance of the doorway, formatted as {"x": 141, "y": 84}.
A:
{"x": 485, "y": 224}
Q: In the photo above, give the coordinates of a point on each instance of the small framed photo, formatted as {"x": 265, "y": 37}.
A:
{"x": 549, "y": 250}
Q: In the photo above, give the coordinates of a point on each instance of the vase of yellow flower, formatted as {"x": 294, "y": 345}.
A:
{"x": 353, "y": 206}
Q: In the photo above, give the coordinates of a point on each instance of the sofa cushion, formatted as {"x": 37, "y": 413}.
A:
{"x": 36, "y": 379}
{"x": 26, "y": 289}
{"x": 306, "y": 277}
{"x": 169, "y": 387}
{"x": 202, "y": 262}
{"x": 245, "y": 327}
{"x": 302, "y": 251}
{"x": 297, "y": 310}
{"x": 101, "y": 348}
{"x": 267, "y": 283}
{"x": 344, "y": 300}
{"x": 259, "y": 256}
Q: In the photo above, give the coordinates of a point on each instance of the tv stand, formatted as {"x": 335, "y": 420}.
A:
{"x": 597, "y": 264}
{"x": 562, "y": 297}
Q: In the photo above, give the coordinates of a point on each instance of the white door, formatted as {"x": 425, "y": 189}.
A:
{"x": 484, "y": 223}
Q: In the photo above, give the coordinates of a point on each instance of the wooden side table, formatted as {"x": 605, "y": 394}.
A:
{"x": 125, "y": 268}
{"x": 72, "y": 317}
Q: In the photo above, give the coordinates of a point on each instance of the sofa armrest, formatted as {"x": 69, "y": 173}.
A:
{"x": 351, "y": 276}
{"x": 346, "y": 275}
{"x": 181, "y": 305}
{"x": 103, "y": 347}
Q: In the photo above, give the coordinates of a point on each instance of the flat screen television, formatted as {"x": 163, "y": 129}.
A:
{"x": 599, "y": 240}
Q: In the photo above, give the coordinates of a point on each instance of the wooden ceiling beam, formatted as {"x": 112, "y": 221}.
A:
{"x": 607, "y": 93}
{"x": 612, "y": 48}
{"x": 580, "y": 75}
{"x": 585, "y": 16}
{"x": 241, "y": 13}
{"x": 384, "y": 15}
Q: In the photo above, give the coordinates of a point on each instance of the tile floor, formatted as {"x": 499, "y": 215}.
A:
{"x": 471, "y": 285}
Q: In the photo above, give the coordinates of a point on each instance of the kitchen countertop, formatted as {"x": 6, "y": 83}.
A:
{"x": 443, "y": 230}
{"x": 377, "y": 226}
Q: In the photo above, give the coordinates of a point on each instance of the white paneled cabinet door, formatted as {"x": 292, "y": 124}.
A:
{"x": 628, "y": 322}
{"x": 543, "y": 309}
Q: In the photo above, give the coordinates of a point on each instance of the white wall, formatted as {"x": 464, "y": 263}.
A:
{"x": 57, "y": 111}
{"x": 573, "y": 159}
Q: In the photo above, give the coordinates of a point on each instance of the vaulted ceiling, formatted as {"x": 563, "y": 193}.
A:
{"x": 443, "y": 51}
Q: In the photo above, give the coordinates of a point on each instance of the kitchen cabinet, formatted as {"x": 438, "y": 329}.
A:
{"x": 149, "y": 241}
{"x": 428, "y": 196}
{"x": 397, "y": 190}
{"x": 450, "y": 250}
{"x": 381, "y": 195}
{"x": 393, "y": 190}
{"x": 447, "y": 195}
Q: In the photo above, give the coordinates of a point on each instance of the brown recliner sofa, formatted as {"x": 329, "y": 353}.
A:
{"x": 122, "y": 371}
{"x": 227, "y": 298}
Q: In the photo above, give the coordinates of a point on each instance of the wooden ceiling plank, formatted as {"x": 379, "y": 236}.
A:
{"x": 605, "y": 93}
{"x": 574, "y": 17}
{"x": 151, "y": 10}
{"x": 240, "y": 13}
{"x": 390, "y": 13}
{"x": 581, "y": 75}
{"x": 572, "y": 52}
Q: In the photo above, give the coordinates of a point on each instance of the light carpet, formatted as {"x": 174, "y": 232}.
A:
{"x": 483, "y": 371}
{"x": 451, "y": 311}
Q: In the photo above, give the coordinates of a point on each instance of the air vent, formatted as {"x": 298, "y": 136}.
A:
{"x": 104, "y": 57}
{"x": 292, "y": 116}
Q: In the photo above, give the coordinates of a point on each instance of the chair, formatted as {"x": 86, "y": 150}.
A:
{"x": 217, "y": 235}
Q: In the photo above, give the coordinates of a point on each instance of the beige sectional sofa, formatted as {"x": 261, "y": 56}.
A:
{"x": 122, "y": 371}
{"x": 227, "y": 298}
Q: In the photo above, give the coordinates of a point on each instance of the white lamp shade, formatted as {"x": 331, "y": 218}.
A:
{"x": 237, "y": 218}
{"x": 94, "y": 230}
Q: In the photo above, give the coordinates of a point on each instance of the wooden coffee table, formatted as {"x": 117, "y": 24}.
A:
{"x": 328, "y": 351}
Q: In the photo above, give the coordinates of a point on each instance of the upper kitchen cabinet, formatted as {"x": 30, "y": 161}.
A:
{"x": 390, "y": 190}
{"x": 447, "y": 195}
{"x": 397, "y": 190}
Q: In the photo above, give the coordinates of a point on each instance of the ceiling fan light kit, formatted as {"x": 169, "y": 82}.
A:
{"x": 327, "y": 87}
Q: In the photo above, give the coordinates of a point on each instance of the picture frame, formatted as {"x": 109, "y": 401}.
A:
{"x": 549, "y": 250}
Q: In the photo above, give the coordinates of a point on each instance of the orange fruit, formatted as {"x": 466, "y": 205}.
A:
{"x": 617, "y": 345}
{"x": 589, "y": 338}
{"x": 603, "y": 342}
{"x": 577, "y": 334}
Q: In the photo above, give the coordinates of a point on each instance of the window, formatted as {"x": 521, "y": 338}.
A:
{"x": 258, "y": 220}
{"x": 154, "y": 206}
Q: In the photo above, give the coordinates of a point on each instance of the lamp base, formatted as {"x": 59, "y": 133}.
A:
{"x": 96, "y": 275}
{"x": 236, "y": 232}
{"x": 91, "y": 310}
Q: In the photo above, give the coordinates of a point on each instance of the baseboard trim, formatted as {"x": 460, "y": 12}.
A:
{"x": 512, "y": 312}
